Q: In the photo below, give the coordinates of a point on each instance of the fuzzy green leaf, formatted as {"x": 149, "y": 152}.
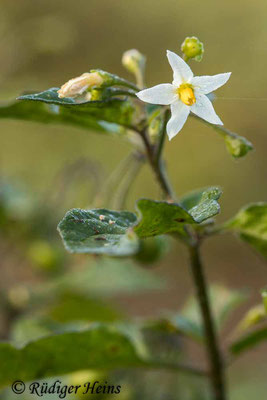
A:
{"x": 46, "y": 107}
{"x": 159, "y": 217}
{"x": 207, "y": 206}
{"x": 99, "y": 231}
{"x": 251, "y": 225}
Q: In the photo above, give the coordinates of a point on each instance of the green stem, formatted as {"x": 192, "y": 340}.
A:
{"x": 212, "y": 347}
{"x": 162, "y": 136}
{"x": 158, "y": 169}
{"x": 216, "y": 367}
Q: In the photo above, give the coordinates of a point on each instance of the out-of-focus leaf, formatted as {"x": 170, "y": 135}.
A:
{"x": 99, "y": 231}
{"x": 264, "y": 298}
{"x": 121, "y": 276}
{"x": 71, "y": 306}
{"x": 152, "y": 249}
{"x": 46, "y": 107}
{"x": 254, "y": 316}
{"x": 249, "y": 340}
{"x": 223, "y": 302}
{"x": 251, "y": 225}
{"x": 237, "y": 145}
{"x": 185, "y": 326}
{"x": 99, "y": 347}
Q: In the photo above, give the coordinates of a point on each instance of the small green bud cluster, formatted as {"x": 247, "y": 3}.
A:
{"x": 192, "y": 48}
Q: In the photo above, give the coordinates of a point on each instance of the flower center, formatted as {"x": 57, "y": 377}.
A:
{"x": 186, "y": 94}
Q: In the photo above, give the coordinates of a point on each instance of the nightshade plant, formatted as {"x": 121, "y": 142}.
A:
{"x": 103, "y": 102}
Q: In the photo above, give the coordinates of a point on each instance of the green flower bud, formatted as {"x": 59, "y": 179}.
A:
{"x": 254, "y": 316}
{"x": 133, "y": 61}
{"x": 192, "y": 48}
{"x": 78, "y": 86}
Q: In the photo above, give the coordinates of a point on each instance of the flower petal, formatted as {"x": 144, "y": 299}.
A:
{"x": 180, "y": 112}
{"x": 181, "y": 70}
{"x": 203, "y": 108}
{"x": 163, "y": 94}
{"x": 207, "y": 84}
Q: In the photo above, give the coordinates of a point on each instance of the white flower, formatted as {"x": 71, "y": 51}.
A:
{"x": 186, "y": 93}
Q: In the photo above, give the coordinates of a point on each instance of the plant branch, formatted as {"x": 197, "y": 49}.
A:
{"x": 212, "y": 347}
{"x": 157, "y": 165}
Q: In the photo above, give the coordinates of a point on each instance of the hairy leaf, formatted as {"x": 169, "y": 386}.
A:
{"x": 158, "y": 217}
{"x": 99, "y": 231}
{"x": 46, "y": 107}
{"x": 207, "y": 206}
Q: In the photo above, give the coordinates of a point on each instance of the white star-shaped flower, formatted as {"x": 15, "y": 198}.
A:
{"x": 186, "y": 93}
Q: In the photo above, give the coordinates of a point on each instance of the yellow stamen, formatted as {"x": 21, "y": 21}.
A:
{"x": 186, "y": 94}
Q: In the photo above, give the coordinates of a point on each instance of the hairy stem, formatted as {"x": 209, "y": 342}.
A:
{"x": 215, "y": 360}
{"x": 157, "y": 166}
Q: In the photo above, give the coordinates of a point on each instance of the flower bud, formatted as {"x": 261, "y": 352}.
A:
{"x": 133, "y": 61}
{"x": 192, "y": 48}
{"x": 78, "y": 86}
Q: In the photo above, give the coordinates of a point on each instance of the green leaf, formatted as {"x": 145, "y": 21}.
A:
{"x": 107, "y": 232}
{"x": 251, "y": 225}
{"x": 71, "y": 306}
{"x": 99, "y": 231}
{"x": 158, "y": 217}
{"x": 46, "y": 107}
{"x": 207, "y": 206}
{"x": 98, "y": 347}
{"x": 249, "y": 341}
{"x": 122, "y": 276}
{"x": 237, "y": 146}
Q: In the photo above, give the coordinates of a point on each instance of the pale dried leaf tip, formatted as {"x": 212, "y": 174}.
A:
{"x": 77, "y": 86}
{"x": 101, "y": 217}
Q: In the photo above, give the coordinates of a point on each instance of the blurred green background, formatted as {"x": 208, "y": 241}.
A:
{"x": 45, "y": 43}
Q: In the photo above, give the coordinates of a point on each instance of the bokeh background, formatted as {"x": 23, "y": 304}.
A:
{"x": 45, "y": 43}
